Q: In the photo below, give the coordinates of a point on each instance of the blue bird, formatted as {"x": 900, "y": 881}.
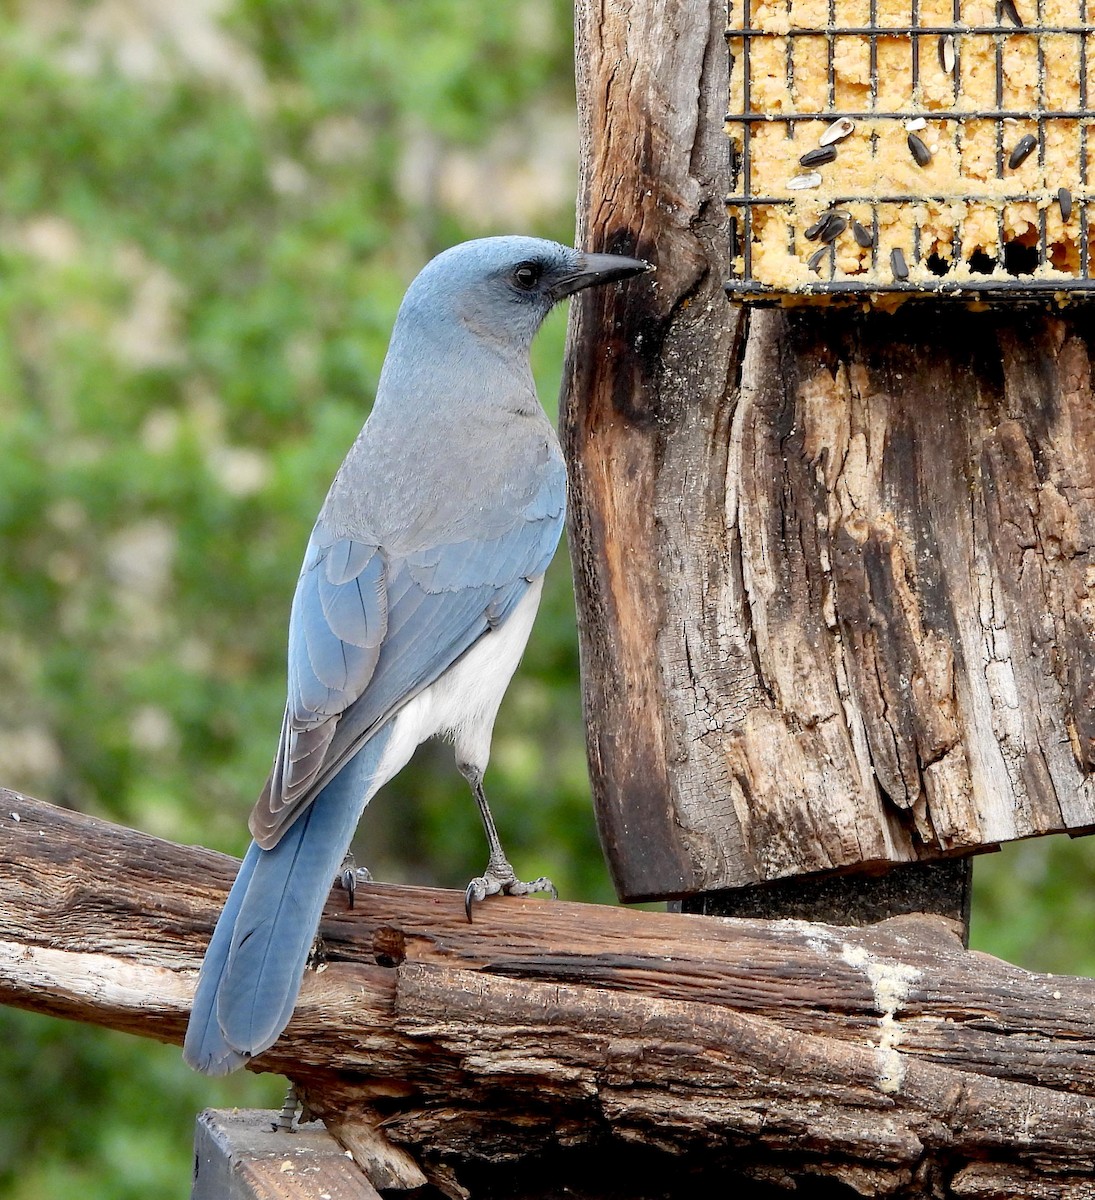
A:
{"x": 417, "y": 594}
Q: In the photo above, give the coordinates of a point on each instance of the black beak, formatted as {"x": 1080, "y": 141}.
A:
{"x": 593, "y": 269}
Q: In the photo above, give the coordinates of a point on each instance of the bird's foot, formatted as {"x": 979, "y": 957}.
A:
{"x": 349, "y": 876}
{"x": 500, "y": 877}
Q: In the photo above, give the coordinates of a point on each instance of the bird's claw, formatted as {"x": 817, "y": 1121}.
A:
{"x": 502, "y": 879}
{"x": 349, "y": 876}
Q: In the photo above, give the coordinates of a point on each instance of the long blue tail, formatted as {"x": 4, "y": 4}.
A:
{"x": 254, "y": 965}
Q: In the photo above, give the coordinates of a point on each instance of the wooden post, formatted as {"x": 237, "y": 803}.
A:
{"x": 240, "y": 1156}
{"x": 836, "y": 570}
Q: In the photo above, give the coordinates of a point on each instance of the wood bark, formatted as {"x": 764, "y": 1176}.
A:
{"x": 673, "y": 1048}
{"x": 835, "y": 570}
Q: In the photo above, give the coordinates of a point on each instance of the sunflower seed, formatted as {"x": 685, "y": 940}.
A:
{"x": 1023, "y": 148}
{"x": 915, "y": 124}
{"x": 818, "y": 157}
{"x": 800, "y": 183}
{"x": 837, "y": 131}
{"x": 898, "y": 265}
{"x": 919, "y": 151}
{"x": 946, "y": 53}
{"x": 834, "y": 227}
{"x": 1064, "y": 199}
{"x": 814, "y": 232}
{"x": 1006, "y": 8}
{"x": 815, "y": 259}
{"x": 862, "y": 236}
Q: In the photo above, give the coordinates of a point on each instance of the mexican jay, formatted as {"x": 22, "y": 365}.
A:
{"x": 419, "y": 587}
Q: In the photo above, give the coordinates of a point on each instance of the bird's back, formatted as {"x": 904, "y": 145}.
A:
{"x": 456, "y": 447}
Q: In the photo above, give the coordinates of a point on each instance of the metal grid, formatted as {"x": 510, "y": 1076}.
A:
{"x": 973, "y": 275}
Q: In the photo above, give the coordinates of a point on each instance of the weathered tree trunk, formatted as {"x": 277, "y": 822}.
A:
{"x": 836, "y": 573}
{"x": 889, "y": 1058}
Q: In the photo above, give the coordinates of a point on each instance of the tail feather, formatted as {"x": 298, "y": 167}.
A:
{"x": 277, "y": 922}
{"x": 255, "y": 962}
{"x": 205, "y": 1048}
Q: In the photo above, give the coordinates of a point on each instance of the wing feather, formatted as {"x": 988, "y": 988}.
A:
{"x": 369, "y": 630}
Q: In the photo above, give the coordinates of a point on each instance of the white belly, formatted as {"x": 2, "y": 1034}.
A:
{"x": 464, "y": 702}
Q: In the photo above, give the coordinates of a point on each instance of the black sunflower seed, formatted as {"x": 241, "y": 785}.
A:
{"x": 834, "y": 227}
{"x": 919, "y": 150}
{"x": 1006, "y": 8}
{"x": 1064, "y": 199}
{"x": 815, "y": 259}
{"x": 818, "y": 156}
{"x": 898, "y": 265}
{"x": 814, "y": 232}
{"x": 1022, "y": 151}
{"x": 862, "y": 236}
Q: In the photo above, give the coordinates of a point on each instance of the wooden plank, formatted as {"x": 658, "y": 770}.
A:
{"x": 238, "y": 1155}
{"x": 835, "y": 570}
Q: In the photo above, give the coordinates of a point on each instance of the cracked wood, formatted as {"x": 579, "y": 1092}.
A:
{"x": 835, "y": 571}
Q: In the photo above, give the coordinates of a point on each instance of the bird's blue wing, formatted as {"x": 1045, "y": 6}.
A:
{"x": 337, "y": 623}
{"x": 370, "y": 629}
{"x": 336, "y": 626}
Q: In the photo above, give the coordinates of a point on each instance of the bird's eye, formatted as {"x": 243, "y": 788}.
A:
{"x": 526, "y": 275}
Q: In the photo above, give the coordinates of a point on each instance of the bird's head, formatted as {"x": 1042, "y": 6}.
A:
{"x": 503, "y": 287}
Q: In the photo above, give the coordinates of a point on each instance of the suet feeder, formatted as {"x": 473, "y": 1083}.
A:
{"x": 889, "y": 148}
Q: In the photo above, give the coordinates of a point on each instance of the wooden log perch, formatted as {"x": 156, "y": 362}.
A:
{"x": 888, "y": 1057}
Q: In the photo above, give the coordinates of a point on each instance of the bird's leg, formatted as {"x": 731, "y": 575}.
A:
{"x": 499, "y": 875}
{"x": 349, "y": 876}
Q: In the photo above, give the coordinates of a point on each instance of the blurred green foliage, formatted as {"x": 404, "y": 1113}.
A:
{"x": 201, "y": 253}
{"x": 205, "y": 230}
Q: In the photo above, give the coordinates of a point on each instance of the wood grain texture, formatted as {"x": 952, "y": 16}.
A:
{"x": 645, "y": 423}
{"x": 917, "y": 525}
{"x": 835, "y": 571}
{"x": 888, "y": 1057}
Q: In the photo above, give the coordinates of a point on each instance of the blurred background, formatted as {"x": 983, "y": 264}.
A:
{"x": 208, "y": 214}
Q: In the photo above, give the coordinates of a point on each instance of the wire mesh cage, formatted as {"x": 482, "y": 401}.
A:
{"x": 892, "y": 147}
